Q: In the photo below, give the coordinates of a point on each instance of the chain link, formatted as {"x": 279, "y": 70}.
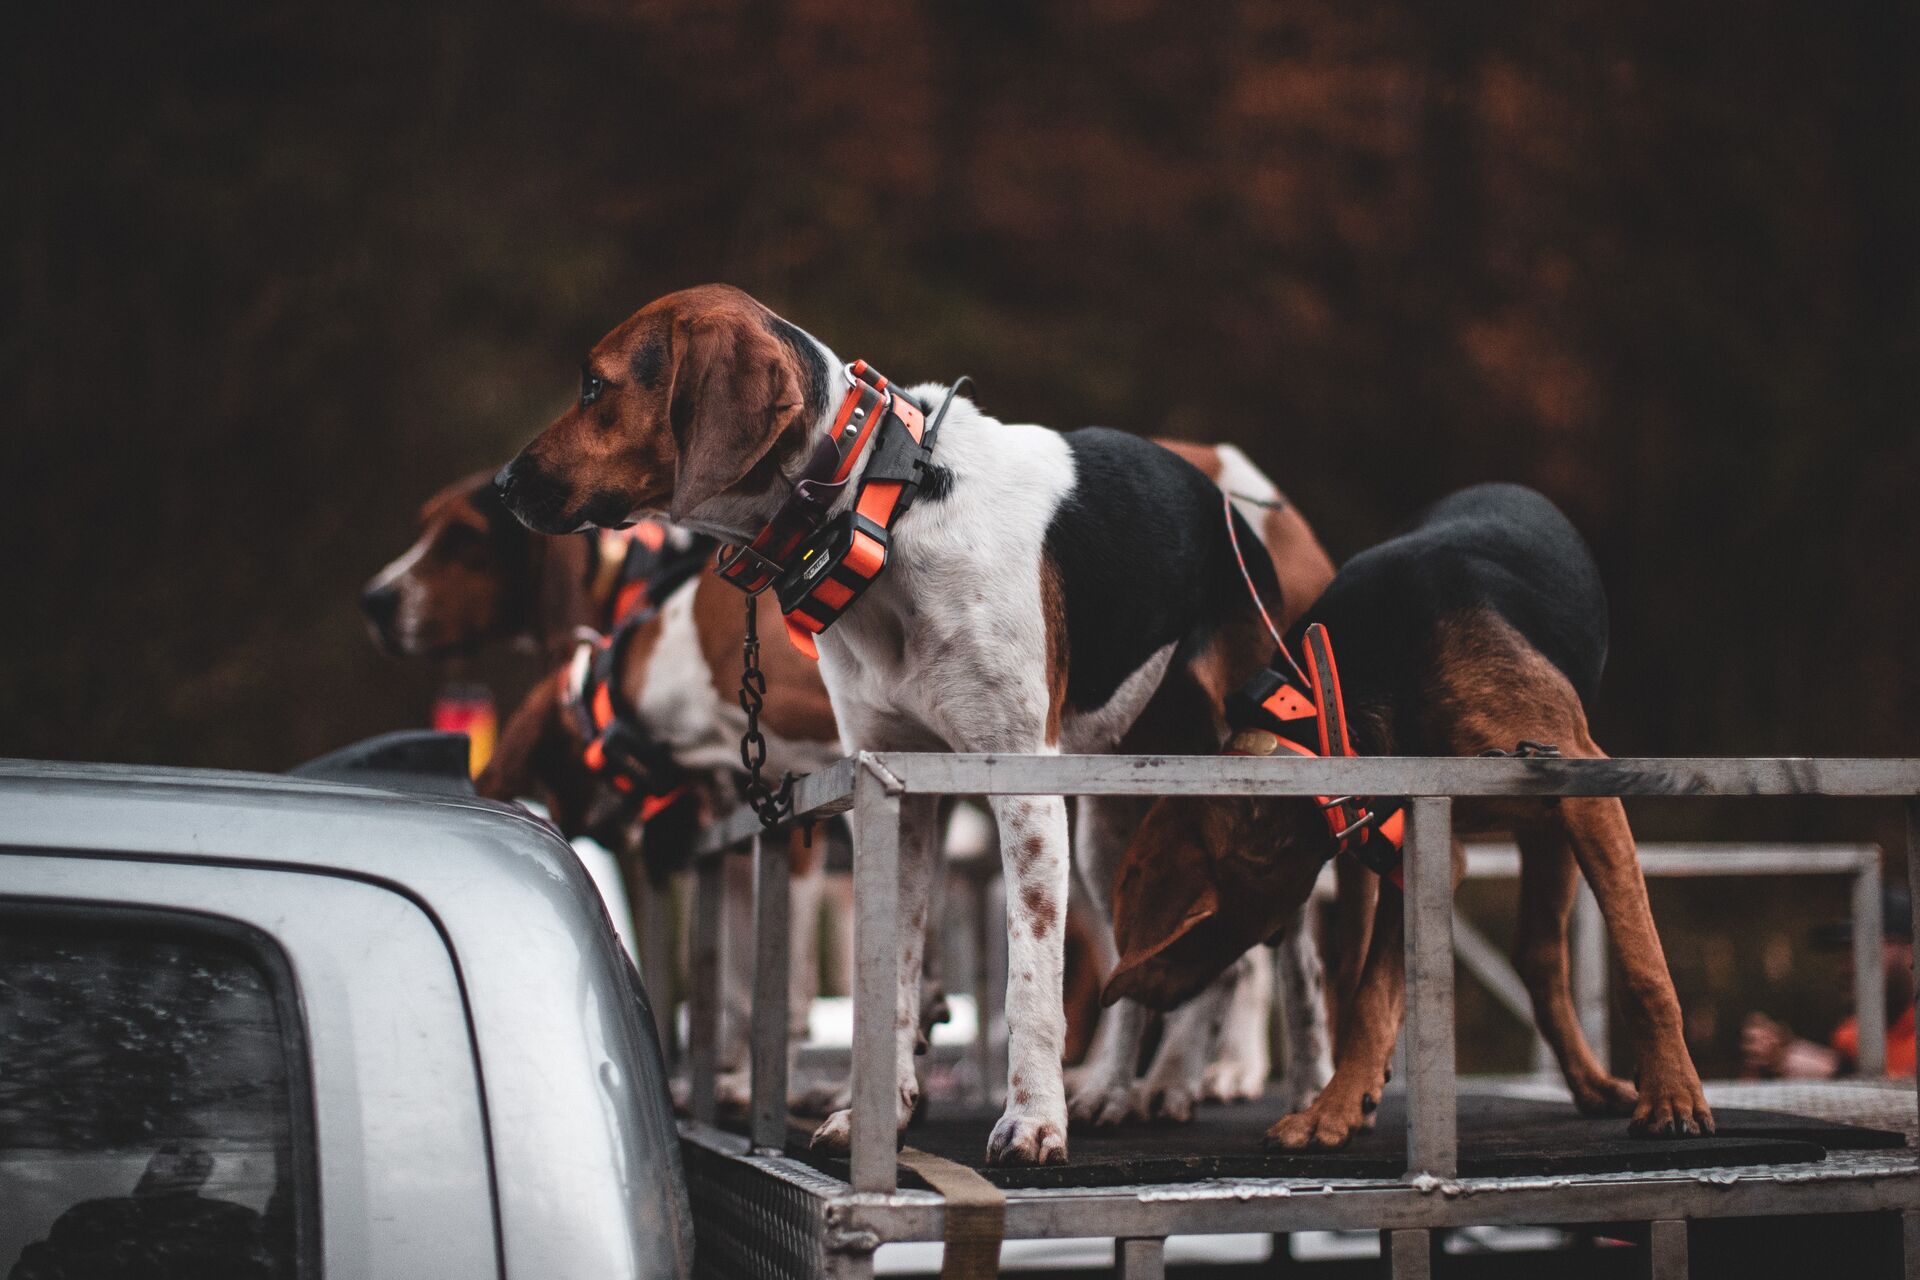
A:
{"x": 772, "y": 806}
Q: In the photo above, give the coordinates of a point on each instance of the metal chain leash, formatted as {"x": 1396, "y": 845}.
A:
{"x": 772, "y": 806}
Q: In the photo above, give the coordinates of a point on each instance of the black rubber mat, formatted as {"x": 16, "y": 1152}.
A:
{"x": 1499, "y": 1137}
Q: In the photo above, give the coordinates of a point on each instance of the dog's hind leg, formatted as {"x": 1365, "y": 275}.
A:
{"x": 1173, "y": 1083}
{"x": 1540, "y": 955}
{"x": 1242, "y": 1059}
{"x": 1104, "y": 1092}
{"x": 1671, "y": 1101}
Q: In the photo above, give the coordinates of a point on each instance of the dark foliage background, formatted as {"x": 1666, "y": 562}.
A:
{"x": 271, "y": 274}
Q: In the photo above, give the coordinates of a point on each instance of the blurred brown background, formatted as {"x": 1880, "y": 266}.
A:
{"x": 272, "y": 274}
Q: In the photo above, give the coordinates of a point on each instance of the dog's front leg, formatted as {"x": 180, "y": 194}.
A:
{"x": 1033, "y": 856}
{"x": 918, "y": 865}
{"x": 1368, "y": 1029}
{"x": 1303, "y": 1010}
{"x": 1104, "y": 1093}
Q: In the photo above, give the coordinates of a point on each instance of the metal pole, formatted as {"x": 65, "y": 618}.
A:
{"x": 772, "y": 883}
{"x": 1913, "y": 886}
{"x": 1432, "y": 1143}
{"x": 1409, "y": 1253}
{"x": 1869, "y": 971}
{"x": 876, "y": 954}
{"x": 1588, "y": 942}
{"x": 703, "y": 1001}
{"x": 1667, "y": 1249}
{"x": 656, "y": 960}
{"x": 1140, "y": 1259}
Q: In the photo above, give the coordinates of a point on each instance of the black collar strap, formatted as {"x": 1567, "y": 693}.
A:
{"x": 1275, "y": 711}
{"x": 617, "y": 749}
{"x": 819, "y": 567}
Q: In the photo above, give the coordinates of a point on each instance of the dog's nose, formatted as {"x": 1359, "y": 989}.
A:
{"x": 504, "y": 478}
{"x": 380, "y": 603}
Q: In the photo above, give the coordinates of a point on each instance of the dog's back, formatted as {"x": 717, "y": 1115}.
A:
{"x": 1495, "y": 547}
{"x": 1145, "y": 560}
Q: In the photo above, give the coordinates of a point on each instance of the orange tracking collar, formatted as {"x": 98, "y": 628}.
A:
{"x": 819, "y": 566}
{"x": 616, "y": 749}
{"x": 1308, "y": 705}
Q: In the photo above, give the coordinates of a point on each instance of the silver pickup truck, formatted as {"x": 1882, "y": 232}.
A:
{"x": 266, "y": 1026}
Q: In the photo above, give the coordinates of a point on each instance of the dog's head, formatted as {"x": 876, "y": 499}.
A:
{"x": 698, "y": 394}
{"x": 463, "y": 582}
{"x": 1203, "y": 881}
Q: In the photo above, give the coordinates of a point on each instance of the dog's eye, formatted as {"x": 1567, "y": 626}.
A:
{"x": 591, "y": 385}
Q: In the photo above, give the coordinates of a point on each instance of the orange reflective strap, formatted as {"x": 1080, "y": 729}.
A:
{"x": 834, "y": 595}
{"x": 865, "y": 556}
{"x": 602, "y": 707}
{"x": 1287, "y": 703}
{"x": 651, "y": 807}
{"x": 801, "y": 638}
{"x": 1394, "y": 828}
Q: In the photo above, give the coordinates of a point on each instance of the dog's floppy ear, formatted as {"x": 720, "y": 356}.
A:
{"x": 1168, "y": 919}
{"x": 735, "y": 389}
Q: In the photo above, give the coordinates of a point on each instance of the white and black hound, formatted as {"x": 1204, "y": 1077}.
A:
{"x": 1045, "y": 593}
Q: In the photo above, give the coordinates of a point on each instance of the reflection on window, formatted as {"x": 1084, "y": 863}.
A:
{"x": 145, "y": 1104}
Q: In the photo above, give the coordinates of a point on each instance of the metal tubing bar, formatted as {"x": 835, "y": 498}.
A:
{"x": 656, "y": 961}
{"x": 816, "y": 795}
{"x": 1869, "y": 971}
{"x": 876, "y": 951}
{"x": 1432, "y": 1140}
{"x": 772, "y": 916}
{"x": 703, "y": 1001}
{"x": 924, "y": 773}
{"x": 1587, "y": 940}
{"x": 1140, "y": 1259}
{"x": 1248, "y": 1205}
{"x": 1667, "y": 1249}
{"x": 1913, "y": 884}
{"x": 1497, "y": 860}
{"x": 1409, "y": 1253}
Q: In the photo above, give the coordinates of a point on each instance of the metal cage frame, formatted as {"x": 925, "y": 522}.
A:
{"x": 870, "y": 1209}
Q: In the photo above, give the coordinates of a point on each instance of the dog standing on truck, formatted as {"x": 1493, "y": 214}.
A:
{"x": 974, "y": 586}
{"x": 1482, "y": 630}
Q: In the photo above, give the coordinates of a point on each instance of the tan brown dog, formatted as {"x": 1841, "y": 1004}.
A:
{"x": 1482, "y": 628}
{"x": 476, "y": 576}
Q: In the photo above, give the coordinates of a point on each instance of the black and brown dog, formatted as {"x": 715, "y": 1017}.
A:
{"x": 1483, "y": 627}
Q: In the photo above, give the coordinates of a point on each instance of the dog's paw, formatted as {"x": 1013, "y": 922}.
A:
{"x": 1103, "y": 1107}
{"x": 1230, "y": 1080}
{"x": 1327, "y": 1125}
{"x": 1168, "y": 1104}
{"x": 1604, "y": 1096}
{"x": 1672, "y": 1106}
{"x": 835, "y": 1136}
{"x": 1024, "y": 1139}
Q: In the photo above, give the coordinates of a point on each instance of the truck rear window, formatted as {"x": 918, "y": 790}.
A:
{"x": 153, "y": 1113}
